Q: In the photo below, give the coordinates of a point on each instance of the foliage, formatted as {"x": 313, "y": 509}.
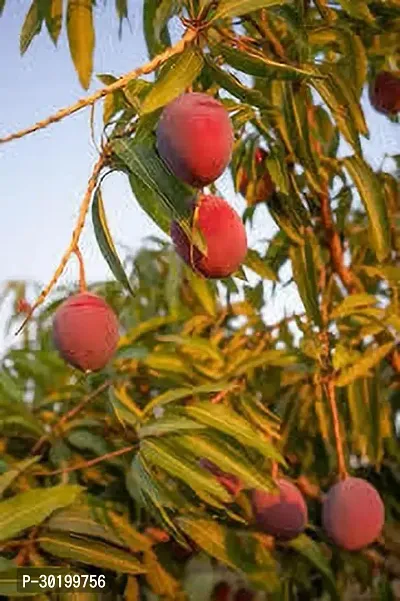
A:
{"x": 118, "y": 486}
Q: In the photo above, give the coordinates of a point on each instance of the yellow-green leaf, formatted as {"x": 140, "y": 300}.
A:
{"x": 354, "y": 303}
{"x": 180, "y": 393}
{"x": 209, "y": 535}
{"x": 91, "y": 553}
{"x": 53, "y": 18}
{"x": 163, "y": 455}
{"x": 373, "y": 198}
{"x": 81, "y": 38}
{"x": 224, "y": 419}
{"x": 371, "y": 357}
{"x": 254, "y": 262}
{"x": 177, "y": 75}
{"x": 31, "y": 27}
{"x": 235, "y": 8}
{"x": 9, "y": 476}
{"x": 32, "y": 507}
{"x": 160, "y": 581}
{"x": 227, "y": 459}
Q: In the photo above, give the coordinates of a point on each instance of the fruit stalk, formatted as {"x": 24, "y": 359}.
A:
{"x": 101, "y": 162}
{"x": 330, "y": 393}
{"x": 335, "y": 246}
{"x": 86, "y": 464}
{"x": 82, "y": 276}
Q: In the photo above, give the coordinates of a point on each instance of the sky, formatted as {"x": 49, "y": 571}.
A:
{"x": 43, "y": 177}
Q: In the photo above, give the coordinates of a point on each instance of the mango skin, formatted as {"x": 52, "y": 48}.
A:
{"x": 195, "y": 138}
{"x": 385, "y": 93}
{"x": 224, "y": 235}
{"x": 353, "y": 514}
{"x": 283, "y": 513}
{"x": 85, "y": 331}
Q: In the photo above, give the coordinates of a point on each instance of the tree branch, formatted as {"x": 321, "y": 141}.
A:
{"x": 101, "y": 162}
{"x": 179, "y": 47}
{"x": 70, "y": 414}
{"x": 335, "y": 246}
{"x": 86, "y": 464}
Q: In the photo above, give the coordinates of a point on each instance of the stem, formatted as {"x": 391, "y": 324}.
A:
{"x": 82, "y": 277}
{"x": 85, "y": 464}
{"x": 70, "y": 414}
{"x": 330, "y": 393}
{"x": 335, "y": 246}
{"x": 179, "y": 47}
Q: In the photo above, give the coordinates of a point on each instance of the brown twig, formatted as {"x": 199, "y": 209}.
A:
{"x": 335, "y": 246}
{"x": 179, "y": 47}
{"x": 70, "y": 414}
{"x": 101, "y": 162}
{"x": 330, "y": 393}
{"x": 86, "y": 464}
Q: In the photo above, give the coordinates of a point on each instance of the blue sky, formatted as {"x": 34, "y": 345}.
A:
{"x": 43, "y": 177}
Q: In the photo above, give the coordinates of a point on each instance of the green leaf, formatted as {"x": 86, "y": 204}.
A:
{"x": 235, "y": 8}
{"x": 305, "y": 276}
{"x": 2, "y": 5}
{"x": 156, "y": 40}
{"x": 92, "y": 553}
{"x": 343, "y": 103}
{"x": 234, "y": 86}
{"x": 261, "y": 66}
{"x": 165, "y": 10}
{"x": 181, "y": 393}
{"x": 358, "y": 402}
{"x": 149, "y": 201}
{"x": 53, "y": 19}
{"x": 8, "y": 477}
{"x": 163, "y": 455}
{"x": 81, "y": 38}
{"x": 177, "y": 75}
{"x": 371, "y": 193}
{"x": 146, "y": 327}
{"x": 200, "y": 346}
{"x": 297, "y": 109}
{"x": 159, "y": 193}
{"x": 31, "y": 27}
{"x": 277, "y": 168}
{"x": 254, "y": 262}
{"x": 357, "y": 9}
{"x": 32, "y": 507}
{"x": 271, "y": 358}
{"x": 224, "y": 419}
{"x": 371, "y": 357}
{"x": 85, "y": 440}
{"x": 310, "y": 550}
{"x": 6, "y": 564}
{"x": 81, "y": 520}
{"x": 166, "y": 362}
{"x": 105, "y": 241}
{"x": 121, "y": 7}
{"x": 354, "y": 303}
